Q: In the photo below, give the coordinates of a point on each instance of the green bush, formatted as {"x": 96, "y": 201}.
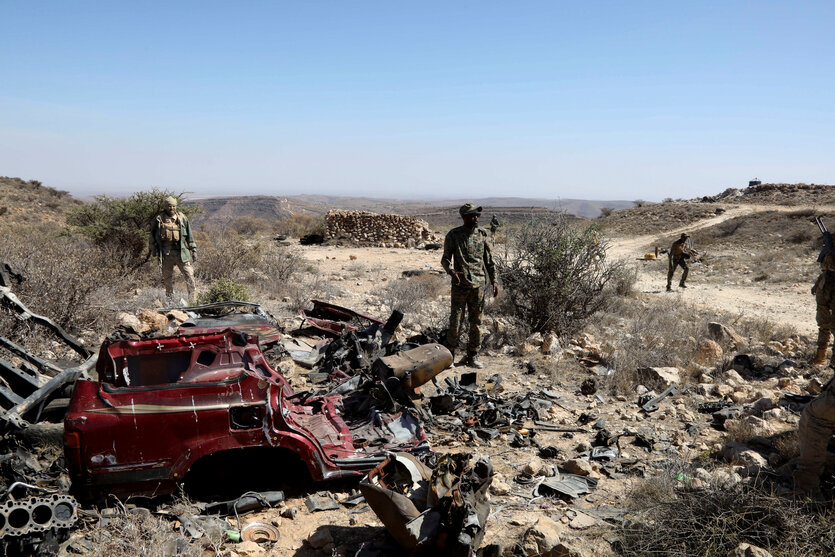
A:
{"x": 553, "y": 274}
{"x": 225, "y": 290}
{"x": 299, "y": 225}
{"x": 120, "y": 226}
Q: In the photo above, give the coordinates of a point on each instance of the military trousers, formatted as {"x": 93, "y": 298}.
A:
{"x": 814, "y": 431}
{"x": 170, "y": 261}
{"x": 681, "y": 262}
{"x": 825, "y": 301}
{"x": 473, "y": 300}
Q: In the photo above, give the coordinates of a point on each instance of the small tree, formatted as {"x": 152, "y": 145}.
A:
{"x": 225, "y": 290}
{"x": 553, "y": 273}
{"x": 121, "y": 225}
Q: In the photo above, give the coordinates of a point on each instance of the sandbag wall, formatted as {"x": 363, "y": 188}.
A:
{"x": 390, "y": 231}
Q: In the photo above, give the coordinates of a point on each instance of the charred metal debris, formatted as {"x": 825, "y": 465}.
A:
{"x": 34, "y": 388}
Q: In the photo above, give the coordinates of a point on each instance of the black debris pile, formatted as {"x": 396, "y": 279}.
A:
{"x": 483, "y": 413}
{"x": 440, "y": 505}
{"x": 34, "y": 388}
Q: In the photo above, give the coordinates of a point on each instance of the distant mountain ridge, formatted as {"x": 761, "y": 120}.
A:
{"x": 219, "y": 211}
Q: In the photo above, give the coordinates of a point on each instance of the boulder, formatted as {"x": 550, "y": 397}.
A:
{"x": 498, "y": 487}
{"x": 132, "y": 322}
{"x": 582, "y": 521}
{"x": 177, "y": 315}
{"x": 567, "y": 548}
{"x": 814, "y": 386}
{"x": 724, "y": 334}
{"x": 748, "y": 550}
{"x": 535, "y": 339}
{"x": 659, "y": 377}
{"x": 739, "y": 453}
{"x": 154, "y": 320}
{"x": 534, "y": 467}
{"x": 320, "y": 538}
{"x": 708, "y": 351}
{"x": 550, "y": 344}
{"x": 249, "y": 548}
{"x": 578, "y": 466}
{"x": 541, "y": 537}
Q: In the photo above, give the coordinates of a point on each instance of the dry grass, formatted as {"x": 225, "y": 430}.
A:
{"x": 739, "y": 431}
{"x": 132, "y": 533}
{"x": 715, "y": 520}
{"x": 655, "y": 217}
{"x": 411, "y": 294}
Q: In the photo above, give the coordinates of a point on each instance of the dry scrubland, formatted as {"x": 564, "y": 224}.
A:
{"x": 679, "y": 486}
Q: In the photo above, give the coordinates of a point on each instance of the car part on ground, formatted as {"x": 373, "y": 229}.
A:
{"x": 31, "y": 515}
{"x": 247, "y": 317}
{"x": 442, "y": 507}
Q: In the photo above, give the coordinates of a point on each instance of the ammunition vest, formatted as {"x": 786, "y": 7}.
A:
{"x": 170, "y": 230}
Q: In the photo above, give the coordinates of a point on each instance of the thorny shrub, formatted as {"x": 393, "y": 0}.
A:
{"x": 715, "y": 520}
{"x": 311, "y": 285}
{"x": 224, "y": 290}
{"x": 247, "y": 225}
{"x": 122, "y": 225}
{"x": 231, "y": 256}
{"x": 299, "y": 224}
{"x": 67, "y": 279}
{"x": 133, "y": 533}
{"x": 410, "y": 294}
{"x": 553, "y": 274}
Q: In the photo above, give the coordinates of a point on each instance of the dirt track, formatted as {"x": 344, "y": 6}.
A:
{"x": 791, "y": 304}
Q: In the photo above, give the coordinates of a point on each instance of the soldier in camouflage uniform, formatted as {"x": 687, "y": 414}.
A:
{"x": 468, "y": 259}
{"x": 824, "y": 291}
{"x": 172, "y": 243}
{"x": 818, "y": 419}
{"x": 678, "y": 258}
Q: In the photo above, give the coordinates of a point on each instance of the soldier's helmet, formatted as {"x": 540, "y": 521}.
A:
{"x": 469, "y": 209}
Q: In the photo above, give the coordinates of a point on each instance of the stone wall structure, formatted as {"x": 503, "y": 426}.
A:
{"x": 391, "y": 231}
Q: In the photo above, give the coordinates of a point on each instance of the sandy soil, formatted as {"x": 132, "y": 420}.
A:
{"x": 789, "y": 304}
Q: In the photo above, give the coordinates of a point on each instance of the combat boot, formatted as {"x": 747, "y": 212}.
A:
{"x": 669, "y": 288}
{"x": 682, "y": 285}
{"x": 474, "y": 361}
{"x": 820, "y": 356}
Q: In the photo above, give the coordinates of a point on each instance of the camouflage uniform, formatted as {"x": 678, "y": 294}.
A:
{"x": 824, "y": 291}
{"x": 171, "y": 238}
{"x": 818, "y": 419}
{"x": 814, "y": 431}
{"x": 468, "y": 252}
{"x": 677, "y": 259}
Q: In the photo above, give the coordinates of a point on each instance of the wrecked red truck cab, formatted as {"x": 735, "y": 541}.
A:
{"x": 163, "y": 404}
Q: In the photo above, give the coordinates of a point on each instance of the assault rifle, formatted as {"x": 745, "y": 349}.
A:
{"x": 821, "y": 226}
{"x": 829, "y": 247}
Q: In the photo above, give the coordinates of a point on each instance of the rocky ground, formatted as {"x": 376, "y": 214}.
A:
{"x": 732, "y": 347}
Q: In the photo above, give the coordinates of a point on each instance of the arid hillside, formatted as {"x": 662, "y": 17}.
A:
{"x": 672, "y": 416}
{"x": 31, "y": 203}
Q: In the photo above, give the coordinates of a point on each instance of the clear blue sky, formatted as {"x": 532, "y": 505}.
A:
{"x": 595, "y": 100}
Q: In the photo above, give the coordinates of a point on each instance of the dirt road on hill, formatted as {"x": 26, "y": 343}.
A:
{"x": 788, "y": 304}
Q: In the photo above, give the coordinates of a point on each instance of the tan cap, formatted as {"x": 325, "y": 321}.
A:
{"x": 469, "y": 209}
{"x": 170, "y": 200}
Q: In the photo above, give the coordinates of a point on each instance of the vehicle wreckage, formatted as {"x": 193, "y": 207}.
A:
{"x": 163, "y": 406}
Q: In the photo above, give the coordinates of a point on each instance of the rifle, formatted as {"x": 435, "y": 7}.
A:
{"x": 829, "y": 247}
{"x": 821, "y": 226}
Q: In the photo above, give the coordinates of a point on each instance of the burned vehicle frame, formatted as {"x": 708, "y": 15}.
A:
{"x": 163, "y": 405}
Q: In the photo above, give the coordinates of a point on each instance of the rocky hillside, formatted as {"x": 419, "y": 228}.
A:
{"x": 25, "y": 202}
